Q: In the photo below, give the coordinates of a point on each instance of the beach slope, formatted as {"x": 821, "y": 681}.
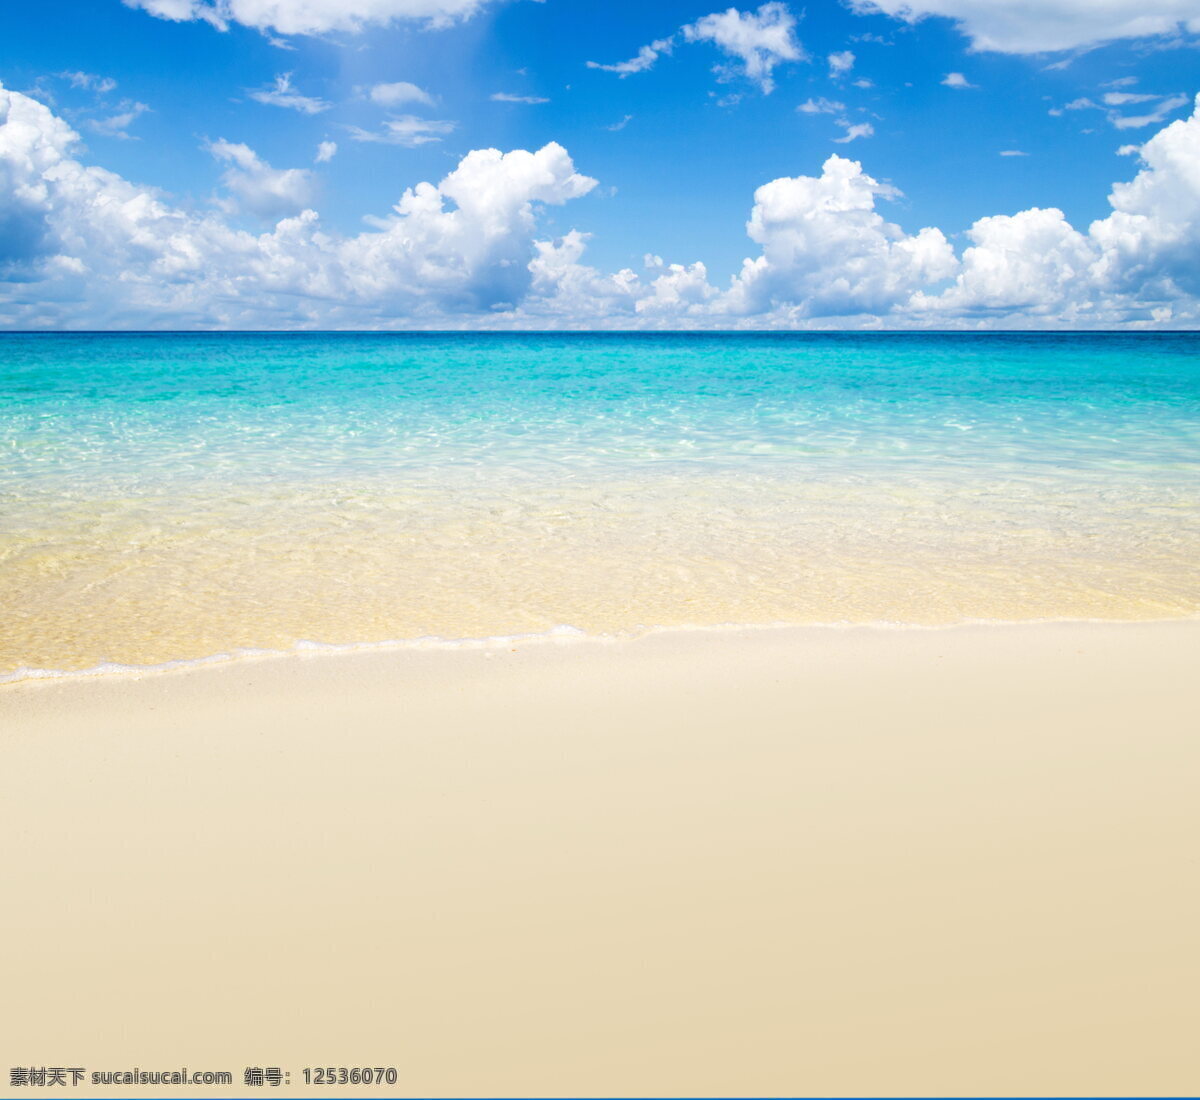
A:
{"x": 780, "y": 861}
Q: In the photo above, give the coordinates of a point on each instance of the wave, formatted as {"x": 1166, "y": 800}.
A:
{"x": 558, "y": 634}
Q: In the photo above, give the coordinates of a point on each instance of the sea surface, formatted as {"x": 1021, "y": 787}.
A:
{"x": 175, "y": 497}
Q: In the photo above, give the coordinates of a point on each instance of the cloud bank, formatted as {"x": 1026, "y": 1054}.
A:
{"x": 81, "y": 247}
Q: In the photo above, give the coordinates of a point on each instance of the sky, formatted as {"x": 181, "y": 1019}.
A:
{"x": 447, "y": 164}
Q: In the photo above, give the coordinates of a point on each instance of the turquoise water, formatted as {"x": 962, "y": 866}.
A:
{"x": 172, "y": 496}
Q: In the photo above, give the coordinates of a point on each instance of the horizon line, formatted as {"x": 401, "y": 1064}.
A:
{"x": 600, "y": 332}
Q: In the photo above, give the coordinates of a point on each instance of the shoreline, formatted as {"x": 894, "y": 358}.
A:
{"x": 563, "y": 633}
{"x": 786, "y": 861}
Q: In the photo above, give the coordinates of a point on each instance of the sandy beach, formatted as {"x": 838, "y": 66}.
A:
{"x": 780, "y": 861}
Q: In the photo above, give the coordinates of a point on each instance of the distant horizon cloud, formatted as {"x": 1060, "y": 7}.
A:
{"x": 471, "y": 245}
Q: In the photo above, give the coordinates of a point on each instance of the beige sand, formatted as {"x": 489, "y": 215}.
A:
{"x": 832, "y": 862}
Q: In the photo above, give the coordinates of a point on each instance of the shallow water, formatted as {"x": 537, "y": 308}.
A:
{"x": 169, "y": 497}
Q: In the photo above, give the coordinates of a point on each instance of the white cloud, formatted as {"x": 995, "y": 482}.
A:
{"x": 680, "y": 289}
{"x": 326, "y": 151}
{"x": 282, "y": 94}
{"x": 1114, "y": 100}
{"x": 640, "y": 62}
{"x": 101, "y": 85}
{"x": 1136, "y": 263}
{"x": 118, "y": 125}
{"x": 1013, "y": 153}
{"x": 82, "y": 247}
{"x": 760, "y": 40}
{"x": 1018, "y": 26}
{"x": 407, "y": 130}
{"x": 863, "y": 82}
{"x": 854, "y": 130}
{"x": 621, "y": 124}
{"x": 508, "y": 97}
{"x": 1128, "y": 150}
{"x": 1153, "y": 234}
{"x": 399, "y": 93}
{"x": 957, "y": 80}
{"x": 1159, "y": 114}
{"x": 476, "y": 254}
{"x": 1119, "y": 99}
{"x": 309, "y": 16}
{"x": 827, "y": 252}
{"x": 821, "y": 106}
{"x": 1031, "y": 262}
{"x": 840, "y": 63}
{"x": 259, "y": 188}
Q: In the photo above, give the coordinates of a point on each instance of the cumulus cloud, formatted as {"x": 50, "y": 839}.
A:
{"x": 257, "y": 187}
{"x": 309, "y": 16}
{"x": 826, "y": 251}
{"x": 1139, "y": 259}
{"x": 408, "y": 130}
{"x": 1031, "y": 262}
{"x": 282, "y": 94}
{"x": 398, "y": 93}
{"x": 326, "y": 151}
{"x": 1017, "y": 26}
{"x": 1152, "y": 237}
{"x": 1013, "y": 153}
{"x": 81, "y": 246}
{"x": 957, "y": 80}
{"x": 760, "y": 40}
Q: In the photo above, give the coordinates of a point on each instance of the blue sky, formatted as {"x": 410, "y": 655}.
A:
{"x": 215, "y": 111}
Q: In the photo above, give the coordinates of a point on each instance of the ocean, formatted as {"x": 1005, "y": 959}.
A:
{"x": 171, "y": 497}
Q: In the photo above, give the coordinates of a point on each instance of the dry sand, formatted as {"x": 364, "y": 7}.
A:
{"x": 776, "y": 862}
